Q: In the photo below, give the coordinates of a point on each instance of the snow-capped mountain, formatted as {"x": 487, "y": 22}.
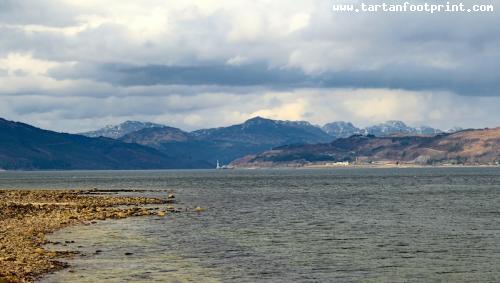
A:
{"x": 388, "y": 128}
{"x": 118, "y": 131}
{"x": 455, "y": 129}
{"x": 346, "y": 129}
{"x": 341, "y": 129}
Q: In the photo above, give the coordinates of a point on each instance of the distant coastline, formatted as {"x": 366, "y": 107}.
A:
{"x": 363, "y": 166}
{"x": 283, "y": 167}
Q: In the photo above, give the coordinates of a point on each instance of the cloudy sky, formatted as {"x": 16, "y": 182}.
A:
{"x": 73, "y": 66}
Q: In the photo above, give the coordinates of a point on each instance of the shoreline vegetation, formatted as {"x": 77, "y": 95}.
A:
{"x": 27, "y": 216}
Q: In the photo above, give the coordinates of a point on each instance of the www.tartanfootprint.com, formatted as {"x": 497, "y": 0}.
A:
{"x": 409, "y": 6}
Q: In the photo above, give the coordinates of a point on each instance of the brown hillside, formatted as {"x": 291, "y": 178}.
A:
{"x": 470, "y": 147}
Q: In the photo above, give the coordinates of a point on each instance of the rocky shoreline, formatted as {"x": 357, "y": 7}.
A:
{"x": 27, "y": 216}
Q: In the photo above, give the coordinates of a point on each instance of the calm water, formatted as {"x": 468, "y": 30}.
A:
{"x": 350, "y": 225}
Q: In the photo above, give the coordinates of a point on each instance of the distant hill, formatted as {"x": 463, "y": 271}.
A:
{"x": 266, "y": 131}
{"x": 470, "y": 147}
{"x": 24, "y": 147}
{"x": 155, "y": 136}
{"x": 118, "y": 131}
{"x": 181, "y": 145}
{"x": 228, "y": 143}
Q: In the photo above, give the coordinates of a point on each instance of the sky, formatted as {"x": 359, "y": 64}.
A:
{"x": 75, "y": 66}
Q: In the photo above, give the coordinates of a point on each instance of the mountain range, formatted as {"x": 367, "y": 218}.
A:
{"x": 253, "y": 136}
{"x": 227, "y": 143}
{"x": 343, "y": 129}
{"x": 139, "y": 145}
{"x": 467, "y": 147}
{"x": 339, "y": 129}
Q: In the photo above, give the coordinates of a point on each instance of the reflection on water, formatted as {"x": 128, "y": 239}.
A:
{"x": 379, "y": 225}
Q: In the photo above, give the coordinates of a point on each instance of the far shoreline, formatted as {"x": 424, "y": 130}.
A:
{"x": 364, "y": 166}
{"x": 280, "y": 167}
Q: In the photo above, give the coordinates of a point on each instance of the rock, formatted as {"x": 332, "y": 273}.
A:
{"x": 162, "y": 213}
{"x": 52, "y": 254}
{"x": 199, "y": 209}
{"x": 122, "y": 215}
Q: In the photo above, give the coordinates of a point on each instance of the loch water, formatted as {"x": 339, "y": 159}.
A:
{"x": 332, "y": 225}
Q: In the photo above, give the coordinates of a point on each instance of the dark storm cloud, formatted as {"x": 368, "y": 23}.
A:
{"x": 222, "y": 75}
{"x": 462, "y": 81}
{"x": 417, "y": 78}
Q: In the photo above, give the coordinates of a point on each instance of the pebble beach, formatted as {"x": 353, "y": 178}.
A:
{"x": 28, "y": 216}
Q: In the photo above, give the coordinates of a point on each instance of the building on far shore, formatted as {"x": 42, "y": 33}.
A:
{"x": 338, "y": 164}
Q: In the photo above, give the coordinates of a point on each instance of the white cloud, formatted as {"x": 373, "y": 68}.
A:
{"x": 237, "y": 60}
{"x": 289, "y": 110}
{"x": 26, "y": 63}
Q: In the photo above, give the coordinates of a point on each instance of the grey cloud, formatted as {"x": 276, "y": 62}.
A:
{"x": 223, "y": 75}
{"x": 463, "y": 81}
{"x": 43, "y": 45}
{"x": 386, "y": 51}
{"x": 36, "y": 12}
